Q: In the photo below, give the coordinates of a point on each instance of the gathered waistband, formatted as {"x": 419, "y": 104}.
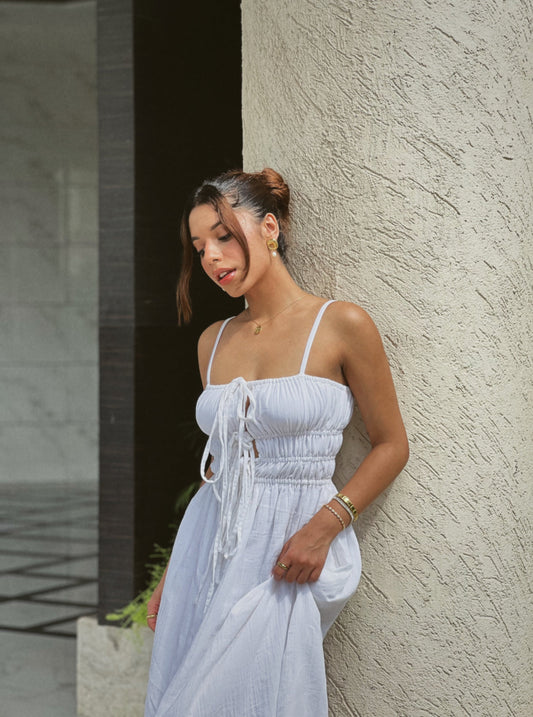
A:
{"x": 284, "y": 480}
{"x": 294, "y": 471}
{"x": 292, "y": 459}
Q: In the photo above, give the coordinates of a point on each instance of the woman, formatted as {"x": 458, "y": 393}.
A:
{"x": 264, "y": 559}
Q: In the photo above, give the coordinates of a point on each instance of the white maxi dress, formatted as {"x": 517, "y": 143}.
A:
{"x": 231, "y": 640}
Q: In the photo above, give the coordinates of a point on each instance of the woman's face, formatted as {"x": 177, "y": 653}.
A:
{"x": 221, "y": 254}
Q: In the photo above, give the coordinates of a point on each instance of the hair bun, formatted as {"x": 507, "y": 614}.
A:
{"x": 280, "y": 190}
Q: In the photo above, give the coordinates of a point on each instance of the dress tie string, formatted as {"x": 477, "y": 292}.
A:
{"x": 234, "y": 479}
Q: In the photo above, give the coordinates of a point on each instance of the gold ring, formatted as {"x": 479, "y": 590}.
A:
{"x": 149, "y": 616}
{"x": 282, "y": 565}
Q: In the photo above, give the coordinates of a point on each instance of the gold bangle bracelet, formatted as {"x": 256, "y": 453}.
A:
{"x": 351, "y": 507}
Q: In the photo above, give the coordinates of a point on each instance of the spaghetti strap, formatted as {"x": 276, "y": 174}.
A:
{"x": 215, "y": 347}
{"x": 312, "y": 334}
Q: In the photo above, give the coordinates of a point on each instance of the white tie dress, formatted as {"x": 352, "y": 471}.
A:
{"x": 231, "y": 640}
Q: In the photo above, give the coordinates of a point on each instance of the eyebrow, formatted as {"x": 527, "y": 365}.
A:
{"x": 210, "y": 229}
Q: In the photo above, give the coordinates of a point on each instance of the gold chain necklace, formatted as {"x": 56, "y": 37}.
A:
{"x": 258, "y": 327}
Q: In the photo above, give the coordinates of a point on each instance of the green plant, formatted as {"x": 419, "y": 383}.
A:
{"x": 133, "y": 615}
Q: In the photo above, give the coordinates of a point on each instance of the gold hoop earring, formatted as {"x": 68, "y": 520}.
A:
{"x": 272, "y": 244}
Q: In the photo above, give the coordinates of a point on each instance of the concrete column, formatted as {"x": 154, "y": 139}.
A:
{"x": 404, "y": 132}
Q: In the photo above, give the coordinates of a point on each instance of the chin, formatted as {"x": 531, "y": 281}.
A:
{"x": 234, "y": 294}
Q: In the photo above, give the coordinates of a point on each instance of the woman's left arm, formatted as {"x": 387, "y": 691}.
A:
{"x": 366, "y": 370}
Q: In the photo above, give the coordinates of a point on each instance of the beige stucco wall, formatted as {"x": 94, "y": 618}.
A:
{"x": 403, "y": 130}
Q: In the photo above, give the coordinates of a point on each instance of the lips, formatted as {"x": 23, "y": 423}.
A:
{"x": 224, "y": 276}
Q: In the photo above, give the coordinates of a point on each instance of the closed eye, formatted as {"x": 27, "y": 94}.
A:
{"x": 224, "y": 237}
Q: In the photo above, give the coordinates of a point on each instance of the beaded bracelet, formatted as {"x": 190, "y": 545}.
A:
{"x": 335, "y": 514}
{"x": 349, "y": 504}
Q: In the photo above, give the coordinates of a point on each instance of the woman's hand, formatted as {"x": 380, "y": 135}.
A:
{"x": 306, "y": 551}
{"x": 152, "y": 606}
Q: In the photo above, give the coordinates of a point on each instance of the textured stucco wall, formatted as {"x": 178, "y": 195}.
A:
{"x": 404, "y": 132}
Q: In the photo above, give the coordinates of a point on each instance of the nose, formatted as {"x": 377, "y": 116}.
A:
{"x": 211, "y": 252}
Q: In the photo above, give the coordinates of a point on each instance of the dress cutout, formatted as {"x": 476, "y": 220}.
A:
{"x": 231, "y": 640}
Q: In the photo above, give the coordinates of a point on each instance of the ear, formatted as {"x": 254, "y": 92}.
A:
{"x": 270, "y": 226}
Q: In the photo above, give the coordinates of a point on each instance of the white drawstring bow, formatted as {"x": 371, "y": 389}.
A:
{"x": 235, "y": 470}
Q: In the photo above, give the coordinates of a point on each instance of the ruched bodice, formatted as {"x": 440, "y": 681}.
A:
{"x": 273, "y": 444}
{"x": 296, "y": 420}
{"x": 287, "y": 409}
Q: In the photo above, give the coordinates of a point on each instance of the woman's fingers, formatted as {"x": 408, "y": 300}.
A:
{"x": 295, "y": 571}
{"x": 301, "y": 574}
{"x": 280, "y": 568}
{"x": 151, "y": 622}
{"x": 152, "y": 608}
{"x": 282, "y": 564}
{"x": 292, "y": 573}
{"x": 315, "y": 574}
{"x": 297, "y": 563}
{"x": 303, "y": 577}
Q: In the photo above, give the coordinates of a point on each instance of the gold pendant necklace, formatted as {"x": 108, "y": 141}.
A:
{"x": 258, "y": 326}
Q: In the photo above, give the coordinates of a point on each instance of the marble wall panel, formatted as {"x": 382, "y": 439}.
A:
{"x": 48, "y": 242}
{"x": 31, "y": 212}
{"x": 42, "y": 152}
{"x": 35, "y": 333}
{"x": 44, "y": 452}
{"x": 81, "y": 383}
{"x": 33, "y": 393}
{"x": 6, "y": 283}
{"x": 38, "y": 274}
{"x": 81, "y": 273}
{"x": 49, "y": 393}
{"x": 61, "y": 98}
{"x": 47, "y": 36}
{"x": 79, "y": 205}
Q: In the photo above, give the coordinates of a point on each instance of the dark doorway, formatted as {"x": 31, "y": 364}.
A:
{"x": 169, "y": 116}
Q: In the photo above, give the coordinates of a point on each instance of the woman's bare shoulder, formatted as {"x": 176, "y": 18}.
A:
{"x": 348, "y": 316}
{"x": 206, "y": 342}
{"x": 354, "y": 330}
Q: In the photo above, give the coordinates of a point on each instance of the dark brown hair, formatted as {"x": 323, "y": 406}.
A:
{"x": 257, "y": 192}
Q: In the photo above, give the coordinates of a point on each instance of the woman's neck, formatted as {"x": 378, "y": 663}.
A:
{"x": 275, "y": 291}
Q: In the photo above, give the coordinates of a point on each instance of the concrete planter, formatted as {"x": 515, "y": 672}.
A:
{"x": 112, "y": 669}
